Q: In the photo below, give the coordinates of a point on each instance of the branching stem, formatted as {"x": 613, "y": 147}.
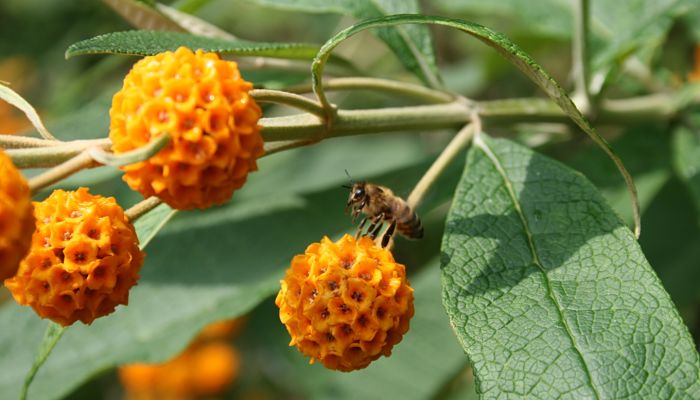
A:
{"x": 404, "y": 89}
{"x": 289, "y": 99}
{"x": 53, "y": 155}
{"x": 81, "y": 161}
{"x": 456, "y": 145}
{"x": 141, "y": 208}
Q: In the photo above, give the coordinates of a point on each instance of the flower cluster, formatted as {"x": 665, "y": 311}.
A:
{"x": 345, "y": 303}
{"x": 84, "y": 258}
{"x": 203, "y": 103}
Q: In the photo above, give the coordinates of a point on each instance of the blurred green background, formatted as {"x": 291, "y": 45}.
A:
{"x": 229, "y": 259}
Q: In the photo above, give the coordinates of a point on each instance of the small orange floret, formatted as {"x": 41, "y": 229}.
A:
{"x": 84, "y": 258}
{"x": 345, "y": 303}
{"x": 203, "y": 103}
{"x": 16, "y": 217}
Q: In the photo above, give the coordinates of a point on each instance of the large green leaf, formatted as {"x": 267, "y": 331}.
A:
{"x": 686, "y": 154}
{"x": 206, "y": 266}
{"x": 549, "y": 293}
{"x": 146, "y": 43}
{"x": 411, "y": 44}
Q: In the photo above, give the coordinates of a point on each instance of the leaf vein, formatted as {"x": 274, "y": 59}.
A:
{"x": 479, "y": 143}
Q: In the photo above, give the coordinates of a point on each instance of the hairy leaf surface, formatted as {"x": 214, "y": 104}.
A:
{"x": 549, "y": 292}
{"x": 146, "y": 43}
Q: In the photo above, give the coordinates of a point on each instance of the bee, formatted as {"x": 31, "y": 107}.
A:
{"x": 379, "y": 204}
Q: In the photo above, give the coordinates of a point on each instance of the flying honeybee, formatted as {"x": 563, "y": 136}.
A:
{"x": 379, "y": 204}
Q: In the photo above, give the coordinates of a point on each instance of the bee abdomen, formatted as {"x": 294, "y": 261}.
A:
{"x": 408, "y": 223}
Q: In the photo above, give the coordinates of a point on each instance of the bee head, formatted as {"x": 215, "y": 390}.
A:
{"x": 357, "y": 198}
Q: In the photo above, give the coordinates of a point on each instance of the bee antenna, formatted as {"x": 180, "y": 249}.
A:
{"x": 349, "y": 177}
{"x": 346, "y": 186}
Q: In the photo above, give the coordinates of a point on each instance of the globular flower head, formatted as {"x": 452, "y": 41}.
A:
{"x": 84, "y": 258}
{"x": 16, "y": 217}
{"x": 345, "y": 303}
{"x": 203, "y": 103}
{"x": 207, "y": 367}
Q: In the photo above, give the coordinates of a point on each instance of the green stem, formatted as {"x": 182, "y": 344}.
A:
{"x": 50, "y": 156}
{"x": 289, "y": 99}
{"x": 456, "y": 145}
{"x": 385, "y": 85}
{"x": 354, "y": 122}
{"x": 580, "y": 70}
{"x": 304, "y": 129}
{"x": 24, "y": 142}
{"x": 81, "y": 161}
{"x": 141, "y": 208}
{"x": 457, "y": 113}
{"x": 53, "y": 333}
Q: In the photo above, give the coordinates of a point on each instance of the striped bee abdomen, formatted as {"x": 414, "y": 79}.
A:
{"x": 408, "y": 223}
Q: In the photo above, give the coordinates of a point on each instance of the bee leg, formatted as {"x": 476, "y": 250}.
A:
{"x": 388, "y": 234}
{"x": 359, "y": 227}
{"x": 377, "y": 227}
{"x": 374, "y": 225}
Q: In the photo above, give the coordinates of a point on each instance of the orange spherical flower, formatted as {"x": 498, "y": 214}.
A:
{"x": 345, "y": 303}
{"x": 83, "y": 259}
{"x": 203, "y": 103}
{"x": 16, "y": 217}
{"x": 203, "y": 369}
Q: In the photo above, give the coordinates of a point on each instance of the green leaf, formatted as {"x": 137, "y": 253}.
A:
{"x": 205, "y": 266}
{"x": 148, "y": 226}
{"x": 511, "y": 52}
{"x": 544, "y": 17}
{"x": 686, "y": 160}
{"x": 549, "y": 293}
{"x": 51, "y": 337}
{"x": 692, "y": 22}
{"x": 618, "y": 28}
{"x": 146, "y": 43}
{"x": 632, "y": 27}
{"x": 411, "y": 44}
{"x": 18, "y": 101}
